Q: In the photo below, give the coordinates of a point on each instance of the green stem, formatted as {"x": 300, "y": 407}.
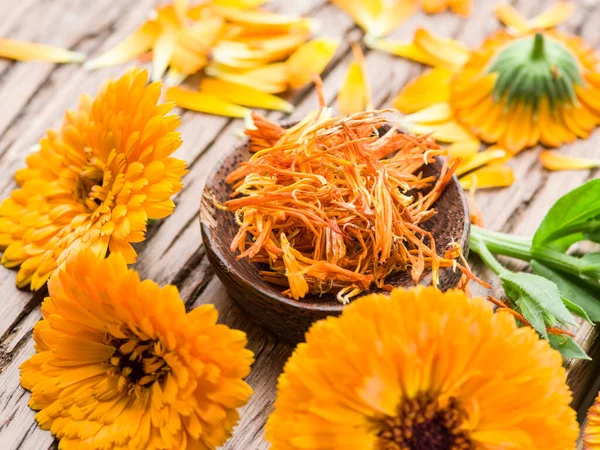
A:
{"x": 538, "y": 47}
{"x": 480, "y": 247}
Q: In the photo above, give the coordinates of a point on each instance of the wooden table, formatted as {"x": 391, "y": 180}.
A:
{"x": 33, "y": 97}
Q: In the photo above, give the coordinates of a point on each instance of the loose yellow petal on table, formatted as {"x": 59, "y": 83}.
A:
{"x": 355, "y": 94}
{"x": 134, "y": 45}
{"x": 430, "y": 88}
{"x": 449, "y": 53}
{"x": 479, "y": 160}
{"x": 378, "y": 17}
{"x": 555, "y": 15}
{"x": 510, "y": 17}
{"x": 492, "y": 176}
{"x": 309, "y": 59}
{"x": 404, "y": 49}
{"x": 450, "y": 131}
{"x": 439, "y": 112}
{"x": 205, "y": 103}
{"x": 262, "y": 20}
{"x": 461, "y": 7}
{"x": 31, "y": 51}
{"x": 552, "y": 160}
{"x": 243, "y": 95}
{"x": 181, "y": 9}
{"x": 464, "y": 149}
{"x": 271, "y": 78}
{"x": 164, "y": 48}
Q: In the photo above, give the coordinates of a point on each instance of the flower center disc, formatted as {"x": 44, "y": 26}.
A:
{"x": 87, "y": 180}
{"x": 535, "y": 67}
{"x": 422, "y": 425}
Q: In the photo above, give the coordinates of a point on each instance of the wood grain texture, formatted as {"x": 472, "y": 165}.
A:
{"x": 34, "y": 96}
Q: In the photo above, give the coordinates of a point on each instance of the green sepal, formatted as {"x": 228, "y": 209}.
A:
{"x": 567, "y": 347}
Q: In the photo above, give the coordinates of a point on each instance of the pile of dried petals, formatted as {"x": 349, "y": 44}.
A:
{"x": 253, "y": 54}
{"x": 330, "y": 205}
{"x": 525, "y": 84}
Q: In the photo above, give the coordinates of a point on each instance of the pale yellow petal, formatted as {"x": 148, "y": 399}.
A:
{"x": 378, "y": 18}
{"x": 510, "y": 17}
{"x": 492, "y": 176}
{"x": 552, "y": 160}
{"x": 439, "y": 112}
{"x": 405, "y": 49}
{"x": 181, "y": 9}
{"x": 271, "y": 78}
{"x": 480, "y": 159}
{"x": 445, "y": 132}
{"x": 309, "y": 59}
{"x": 206, "y": 103}
{"x": 450, "y": 53}
{"x": 430, "y": 88}
{"x": 463, "y": 150}
{"x": 163, "y": 50}
{"x": 31, "y": 51}
{"x": 355, "y": 94}
{"x": 243, "y": 95}
{"x": 138, "y": 42}
{"x": 553, "y": 16}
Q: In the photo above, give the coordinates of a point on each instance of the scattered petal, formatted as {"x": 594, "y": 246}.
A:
{"x": 480, "y": 159}
{"x": 439, "y": 112}
{"x": 271, "y": 78}
{"x": 450, "y": 131}
{"x": 492, "y": 176}
{"x": 448, "y": 52}
{"x": 510, "y": 17}
{"x": 31, "y": 51}
{"x": 243, "y": 95}
{"x": 206, "y": 103}
{"x": 310, "y": 59}
{"x": 554, "y": 16}
{"x": 426, "y": 90}
{"x": 552, "y": 160}
{"x": 463, "y": 150}
{"x": 355, "y": 94}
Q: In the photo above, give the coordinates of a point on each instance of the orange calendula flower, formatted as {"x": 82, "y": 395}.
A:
{"x": 31, "y": 51}
{"x": 120, "y": 364}
{"x": 95, "y": 182}
{"x": 380, "y": 17}
{"x": 524, "y": 85}
{"x": 427, "y": 370}
{"x": 591, "y": 435}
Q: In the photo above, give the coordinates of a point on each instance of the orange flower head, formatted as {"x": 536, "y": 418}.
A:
{"x": 592, "y": 428}
{"x": 422, "y": 369}
{"x": 95, "y": 182}
{"x": 524, "y": 85}
{"x": 120, "y": 364}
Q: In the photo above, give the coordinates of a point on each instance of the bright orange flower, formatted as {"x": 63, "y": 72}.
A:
{"x": 524, "y": 85}
{"x": 422, "y": 369}
{"x": 95, "y": 182}
{"x": 119, "y": 364}
{"x": 592, "y": 428}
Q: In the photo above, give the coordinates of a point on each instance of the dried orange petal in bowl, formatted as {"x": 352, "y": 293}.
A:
{"x": 302, "y": 219}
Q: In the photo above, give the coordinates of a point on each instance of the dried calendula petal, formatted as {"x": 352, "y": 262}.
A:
{"x": 552, "y": 160}
{"x": 31, "y": 51}
{"x": 243, "y": 95}
{"x": 309, "y": 59}
{"x": 355, "y": 94}
{"x": 203, "y": 102}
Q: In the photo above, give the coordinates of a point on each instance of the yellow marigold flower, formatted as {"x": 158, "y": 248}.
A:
{"x": 592, "y": 428}
{"x": 525, "y": 84}
{"x": 120, "y": 365}
{"x": 95, "y": 182}
{"x": 422, "y": 369}
{"x": 380, "y": 17}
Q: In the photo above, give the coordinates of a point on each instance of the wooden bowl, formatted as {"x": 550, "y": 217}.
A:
{"x": 263, "y": 301}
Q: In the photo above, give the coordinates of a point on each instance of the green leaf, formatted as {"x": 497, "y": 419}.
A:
{"x": 576, "y": 309}
{"x": 567, "y": 347}
{"x": 571, "y": 290}
{"x": 544, "y": 292}
{"x": 593, "y": 236}
{"x": 590, "y": 265}
{"x": 573, "y": 213}
{"x": 532, "y": 312}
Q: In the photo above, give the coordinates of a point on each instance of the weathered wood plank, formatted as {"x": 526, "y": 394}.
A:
{"x": 173, "y": 252}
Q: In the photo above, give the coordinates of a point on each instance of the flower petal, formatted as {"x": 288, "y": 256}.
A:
{"x": 181, "y": 9}
{"x": 404, "y": 49}
{"x": 552, "y": 160}
{"x": 355, "y": 94}
{"x": 309, "y": 59}
{"x": 450, "y": 53}
{"x": 439, "y": 112}
{"x": 553, "y": 16}
{"x": 479, "y": 160}
{"x": 450, "y": 131}
{"x": 510, "y": 17}
{"x": 31, "y": 51}
{"x": 464, "y": 149}
{"x": 430, "y": 88}
{"x": 493, "y": 176}
{"x": 163, "y": 50}
{"x": 138, "y": 42}
{"x": 271, "y": 78}
{"x": 243, "y": 95}
{"x": 206, "y": 103}
{"x": 375, "y": 17}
